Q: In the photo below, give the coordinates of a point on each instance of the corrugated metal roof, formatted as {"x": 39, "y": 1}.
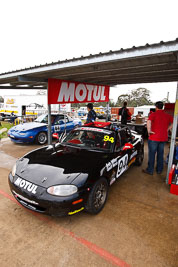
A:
{"x": 149, "y": 63}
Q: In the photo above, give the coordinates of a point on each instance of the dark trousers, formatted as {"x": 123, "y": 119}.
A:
{"x": 123, "y": 121}
{"x": 155, "y": 147}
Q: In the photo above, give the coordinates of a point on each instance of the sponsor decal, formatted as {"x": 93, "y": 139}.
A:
{"x": 133, "y": 155}
{"x": 75, "y": 211}
{"x": 102, "y": 171}
{"x": 24, "y": 198}
{"x": 27, "y": 205}
{"x": 127, "y": 146}
{"x": 121, "y": 162}
{"x": 113, "y": 163}
{"x": 94, "y": 130}
{"x": 26, "y": 185}
{"x": 10, "y": 101}
{"x": 137, "y": 141}
{"x": 113, "y": 179}
{"x": 132, "y": 161}
{"x": 60, "y": 91}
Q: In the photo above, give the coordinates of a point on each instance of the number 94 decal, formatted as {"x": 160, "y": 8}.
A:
{"x": 120, "y": 162}
{"x": 122, "y": 165}
{"x": 108, "y": 139}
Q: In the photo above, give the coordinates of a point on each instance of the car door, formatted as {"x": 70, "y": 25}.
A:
{"x": 63, "y": 123}
{"x": 59, "y": 124}
{"x": 122, "y": 154}
{"x": 127, "y": 145}
{"x": 119, "y": 162}
{"x": 134, "y": 150}
{"x": 70, "y": 124}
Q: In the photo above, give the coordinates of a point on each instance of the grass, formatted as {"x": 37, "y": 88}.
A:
{"x": 5, "y": 125}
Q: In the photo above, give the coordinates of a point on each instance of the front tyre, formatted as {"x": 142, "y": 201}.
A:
{"x": 97, "y": 197}
{"x": 41, "y": 138}
{"x": 140, "y": 157}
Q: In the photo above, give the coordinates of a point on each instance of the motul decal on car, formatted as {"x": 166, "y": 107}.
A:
{"x": 26, "y": 185}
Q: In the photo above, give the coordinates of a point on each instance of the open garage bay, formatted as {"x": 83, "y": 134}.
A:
{"x": 137, "y": 227}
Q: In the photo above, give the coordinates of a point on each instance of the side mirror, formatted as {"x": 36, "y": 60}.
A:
{"x": 59, "y": 137}
{"x": 127, "y": 146}
{"x": 55, "y": 135}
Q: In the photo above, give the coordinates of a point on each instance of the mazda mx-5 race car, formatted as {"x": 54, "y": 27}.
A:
{"x": 75, "y": 174}
{"x": 37, "y": 131}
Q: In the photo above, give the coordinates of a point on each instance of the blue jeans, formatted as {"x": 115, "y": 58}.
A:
{"x": 153, "y": 148}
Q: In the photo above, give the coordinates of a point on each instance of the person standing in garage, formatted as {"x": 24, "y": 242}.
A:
{"x": 124, "y": 113}
{"x": 158, "y": 125}
{"x": 91, "y": 117}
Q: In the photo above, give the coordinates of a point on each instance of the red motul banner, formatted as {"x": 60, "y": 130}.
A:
{"x": 60, "y": 92}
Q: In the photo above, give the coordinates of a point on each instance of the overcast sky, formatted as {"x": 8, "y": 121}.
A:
{"x": 40, "y": 31}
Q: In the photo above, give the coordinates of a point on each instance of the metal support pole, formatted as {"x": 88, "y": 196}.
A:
{"x": 173, "y": 137}
{"x": 107, "y": 112}
{"x": 49, "y": 125}
{"x": 65, "y": 114}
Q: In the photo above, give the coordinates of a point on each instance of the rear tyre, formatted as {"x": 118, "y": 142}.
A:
{"x": 97, "y": 197}
{"x": 140, "y": 157}
{"x": 41, "y": 138}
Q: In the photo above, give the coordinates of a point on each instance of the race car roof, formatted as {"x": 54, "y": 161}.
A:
{"x": 98, "y": 124}
{"x": 144, "y": 64}
{"x": 94, "y": 129}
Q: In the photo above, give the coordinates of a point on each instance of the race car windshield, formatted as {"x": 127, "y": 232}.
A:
{"x": 97, "y": 139}
{"x": 43, "y": 118}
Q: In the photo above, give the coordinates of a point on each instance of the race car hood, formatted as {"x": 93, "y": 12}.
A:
{"x": 27, "y": 126}
{"x": 77, "y": 121}
{"x": 49, "y": 166}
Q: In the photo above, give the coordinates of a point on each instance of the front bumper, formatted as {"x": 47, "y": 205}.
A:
{"x": 45, "y": 203}
{"x": 16, "y": 138}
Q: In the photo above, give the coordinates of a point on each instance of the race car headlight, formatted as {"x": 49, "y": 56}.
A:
{"x": 62, "y": 190}
{"x": 22, "y": 133}
{"x": 14, "y": 170}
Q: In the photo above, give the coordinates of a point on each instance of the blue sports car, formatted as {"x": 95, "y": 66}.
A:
{"x": 38, "y": 130}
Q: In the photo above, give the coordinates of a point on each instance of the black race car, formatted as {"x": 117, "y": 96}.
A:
{"x": 75, "y": 174}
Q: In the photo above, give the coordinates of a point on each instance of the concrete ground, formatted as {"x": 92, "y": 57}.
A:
{"x": 137, "y": 227}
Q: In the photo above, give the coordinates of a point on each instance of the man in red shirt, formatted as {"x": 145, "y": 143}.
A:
{"x": 158, "y": 125}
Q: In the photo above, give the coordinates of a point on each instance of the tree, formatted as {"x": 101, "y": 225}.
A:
{"x": 95, "y": 104}
{"x": 122, "y": 98}
{"x": 75, "y": 105}
{"x": 165, "y": 100}
{"x": 137, "y": 97}
{"x": 140, "y": 97}
{"x": 111, "y": 103}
